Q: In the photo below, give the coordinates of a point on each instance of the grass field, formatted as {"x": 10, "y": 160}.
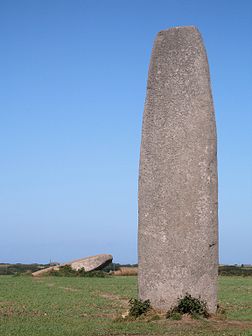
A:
{"x": 53, "y": 306}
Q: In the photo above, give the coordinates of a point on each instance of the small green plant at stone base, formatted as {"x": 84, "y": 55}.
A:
{"x": 189, "y": 305}
{"x": 174, "y": 315}
{"x": 138, "y": 307}
{"x": 221, "y": 312}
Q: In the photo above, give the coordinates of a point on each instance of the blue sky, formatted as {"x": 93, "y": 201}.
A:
{"x": 72, "y": 89}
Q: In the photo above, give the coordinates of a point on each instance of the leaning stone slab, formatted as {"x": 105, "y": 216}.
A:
{"x": 178, "y": 224}
{"x": 93, "y": 263}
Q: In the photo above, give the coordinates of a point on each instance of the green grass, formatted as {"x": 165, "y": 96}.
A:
{"x": 235, "y": 294}
{"x": 53, "y": 306}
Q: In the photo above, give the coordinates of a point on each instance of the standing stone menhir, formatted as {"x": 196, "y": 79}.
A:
{"x": 178, "y": 207}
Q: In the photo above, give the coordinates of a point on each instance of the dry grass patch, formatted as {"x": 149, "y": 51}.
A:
{"x": 125, "y": 271}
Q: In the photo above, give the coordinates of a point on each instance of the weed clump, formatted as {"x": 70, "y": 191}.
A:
{"x": 188, "y": 305}
{"x": 173, "y": 315}
{"x": 221, "y": 312}
{"x": 138, "y": 307}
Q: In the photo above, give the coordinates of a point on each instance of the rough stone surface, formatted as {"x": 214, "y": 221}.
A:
{"x": 89, "y": 263}
{"x": 92, "y": 263}
{"x": 178, "y": 209}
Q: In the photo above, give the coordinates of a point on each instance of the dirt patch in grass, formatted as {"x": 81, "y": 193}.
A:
{"x": 220, "y": 324}
{"x": 69, "y": 289}
{"x": 10, "y": 309}
{"x": 113, "y": 297}
{"x": 38, "y": 280}
{"x": 50, "y": 285}
{"x": 214, "y": 323}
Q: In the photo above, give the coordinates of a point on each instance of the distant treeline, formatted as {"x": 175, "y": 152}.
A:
{"x": 12, "y": 269}
{"x": 8, "y": 269}
{"x": 235, "y": 270}
{"x": 117, "y": 266}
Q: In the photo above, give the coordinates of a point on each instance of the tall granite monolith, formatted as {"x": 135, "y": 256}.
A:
{"x": 178, "y": 202}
